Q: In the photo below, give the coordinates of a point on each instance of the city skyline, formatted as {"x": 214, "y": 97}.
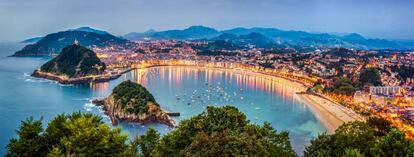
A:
{"x": 374, "y": 19}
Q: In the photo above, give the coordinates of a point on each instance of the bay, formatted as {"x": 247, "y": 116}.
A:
{"x": 187, "y": 90}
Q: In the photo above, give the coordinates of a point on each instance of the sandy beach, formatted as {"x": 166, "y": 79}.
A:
{"x": 331, "y": 114}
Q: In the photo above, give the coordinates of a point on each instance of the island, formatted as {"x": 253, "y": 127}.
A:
{"x": 133, "y": 103}
{"x": 76, "y": 65}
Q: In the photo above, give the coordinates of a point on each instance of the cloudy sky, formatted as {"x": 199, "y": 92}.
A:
{"x": 393, "y": 19}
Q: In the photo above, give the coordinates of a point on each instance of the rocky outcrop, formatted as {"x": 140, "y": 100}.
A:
{"x": 117, "y": 114}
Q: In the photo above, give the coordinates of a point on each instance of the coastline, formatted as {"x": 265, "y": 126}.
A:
{"x": 80, "y": 80}
{"x": 331, "y": 115}
{"x": 300, "y": 86}
{"x": 117, "y": 115}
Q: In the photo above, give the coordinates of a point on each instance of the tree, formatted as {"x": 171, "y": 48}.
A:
{"x": 357, "y": 135}
{"x": 78, "y": 134}
{"x": 29, "y": 142}
{"x": 370, "y": 76}
{"x": 224, "y": 131}
{"x": 146, "y": 144}
{"x": 133, "y": 97}
{"x": 358, "y": 139}
{"x": 393, "y": 144}
{"x": 343, "y": 86}
{"x": 353, "y": 153}
{"x": 321, "y": 146}
{"x": 87, "y": 138}
{"x": 380, "y": 125}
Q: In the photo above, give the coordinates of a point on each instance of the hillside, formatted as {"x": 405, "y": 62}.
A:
{"x": 55, "y": 42}
{"x": 191, "y": 33}
{"x": 132, "y": 97}
{"x": 31, "y": 40}
{"x": 132, "y": 102}
{"x": 74, "y": 61}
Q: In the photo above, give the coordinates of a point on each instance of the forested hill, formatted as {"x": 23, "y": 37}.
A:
{"x": 74, "y": 61}
{"x": 55, "y": 42}
{"x": 132, "y": 97}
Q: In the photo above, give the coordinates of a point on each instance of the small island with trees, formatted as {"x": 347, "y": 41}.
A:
{"x": 131, "y": 102}
{"x": 75, "y": 65}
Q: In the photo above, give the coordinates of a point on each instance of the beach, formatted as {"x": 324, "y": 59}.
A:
{"x": 331, "y": 114}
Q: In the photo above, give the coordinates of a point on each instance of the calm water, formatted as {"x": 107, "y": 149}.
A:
{"x": 184, "y": 90}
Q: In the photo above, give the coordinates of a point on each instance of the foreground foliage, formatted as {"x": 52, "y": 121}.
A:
{"x": 219, "y": 131}
{"x": 77, "y": 134}
{"x": 372, "y": 138}
{"x": 223, "y": 132}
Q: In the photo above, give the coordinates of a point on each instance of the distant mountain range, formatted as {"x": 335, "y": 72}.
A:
{"x": 236, "y": 37}
{"x": 53, "y": 43}
{"x": 273, "y": 35}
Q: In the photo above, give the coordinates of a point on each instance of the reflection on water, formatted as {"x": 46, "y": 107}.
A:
{"x": 245, "y": 80}
{"x": 189, "y": 90}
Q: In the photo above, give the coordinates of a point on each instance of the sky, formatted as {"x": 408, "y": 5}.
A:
{"x": 390, "y": 19}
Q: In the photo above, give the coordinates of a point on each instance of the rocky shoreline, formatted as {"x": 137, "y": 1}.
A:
{"x": 117, "y": 115}
{"x": 80, "y": 80}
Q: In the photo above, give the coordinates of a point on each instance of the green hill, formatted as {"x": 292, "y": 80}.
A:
{"x": 132, "y": 97}
{"x": 133, "y": 103}
{"x": 74, "y": 61}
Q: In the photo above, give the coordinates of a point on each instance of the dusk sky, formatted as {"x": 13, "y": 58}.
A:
{"x": 392, "y": 19}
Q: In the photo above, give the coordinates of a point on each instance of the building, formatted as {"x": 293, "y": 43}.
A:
{"x": 385, "y": 90}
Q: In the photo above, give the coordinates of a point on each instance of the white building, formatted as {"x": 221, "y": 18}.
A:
{"x": 385, "y": 90}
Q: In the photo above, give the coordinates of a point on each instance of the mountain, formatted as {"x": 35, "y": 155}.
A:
{"x": 191, "y": 33}
{"x": 290, "y": 37}
{"x": 139, "y": 35}
{"x": 53, "y": 43}
{"x": 89, "y": 29}
{"x": 218, "y": 45}
{"x": 302, "y": 38}
{"x": 253, "y": 38}
{"x": 74, "y": 61}
{"x": 32, "y": 40}
{"x": 225, "y": 37}
{"x": 406, "y": 43}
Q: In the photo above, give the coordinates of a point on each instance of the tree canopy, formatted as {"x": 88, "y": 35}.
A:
{"x": 77, "y": 134}
{"x": 343, "y": 86}
{"x": 370, "y": 76}
{"x": 371, "y": 138}
{"x": 133, "y": 97}
{"x": 224, "y": 131}
{"x": 219, "y": 131}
